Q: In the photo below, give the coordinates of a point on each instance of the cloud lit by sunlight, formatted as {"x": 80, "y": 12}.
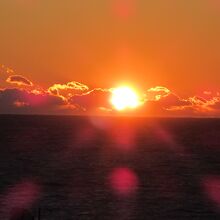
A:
{"x": 21, "y": 96}
{"x": 19, "y": 80}
{"x": 57, "y": 88}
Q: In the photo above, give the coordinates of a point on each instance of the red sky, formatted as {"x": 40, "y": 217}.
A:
{"x": 166, "y": 49}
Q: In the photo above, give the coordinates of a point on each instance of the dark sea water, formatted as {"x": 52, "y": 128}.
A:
{"x": 109, "y": 168}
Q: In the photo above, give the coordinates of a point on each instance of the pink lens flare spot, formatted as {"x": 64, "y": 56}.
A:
{"x": 22, "y": 195}
{"x": 211, "y": 185}
{"x": 123, "y": 181}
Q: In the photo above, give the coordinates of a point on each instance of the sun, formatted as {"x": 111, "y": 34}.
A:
{"x": 124, "y": 98}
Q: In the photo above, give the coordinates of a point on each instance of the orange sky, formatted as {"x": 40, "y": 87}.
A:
{"x": 105, "y": 43}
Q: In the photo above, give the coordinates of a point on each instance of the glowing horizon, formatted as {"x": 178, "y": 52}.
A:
{"x": 72, "y": 53}
{"x": 23, "y": 96}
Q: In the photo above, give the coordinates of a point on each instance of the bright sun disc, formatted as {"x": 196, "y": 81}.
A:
{"x": 123, "y": 98}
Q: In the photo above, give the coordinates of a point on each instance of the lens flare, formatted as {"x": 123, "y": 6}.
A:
{"x": 123, "y": 181}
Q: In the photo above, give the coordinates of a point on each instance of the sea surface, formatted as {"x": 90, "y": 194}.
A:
{"x": 116, "y": 168}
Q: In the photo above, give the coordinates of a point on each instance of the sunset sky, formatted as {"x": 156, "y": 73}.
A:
{"x": 65, "y": 57}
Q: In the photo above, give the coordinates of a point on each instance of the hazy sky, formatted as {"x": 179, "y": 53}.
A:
{"x": 173, "y": 43}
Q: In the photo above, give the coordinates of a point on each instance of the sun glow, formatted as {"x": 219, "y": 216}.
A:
{"x": 124, "y": 98}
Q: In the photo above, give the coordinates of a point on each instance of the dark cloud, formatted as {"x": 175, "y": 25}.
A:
{"x": 13, "y": 101}
{"x": 158, "y": 101}
{"x": 93, "y": 100}
{"x": 19, "y": 80}
{"x": 166, "y": 104}
{"x": 173, "y": 101}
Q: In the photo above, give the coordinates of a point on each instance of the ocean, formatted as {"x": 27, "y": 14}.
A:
{"x": 116, "y": 168}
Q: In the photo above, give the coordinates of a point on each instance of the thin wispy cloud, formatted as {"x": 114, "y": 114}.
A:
{"x": 19, "y": 80}
{"x": 72, "y": 87}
